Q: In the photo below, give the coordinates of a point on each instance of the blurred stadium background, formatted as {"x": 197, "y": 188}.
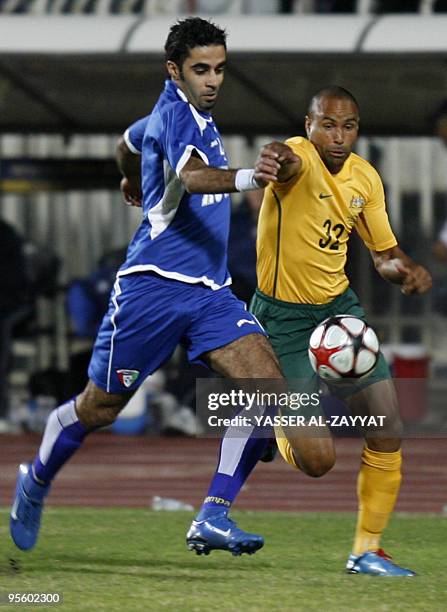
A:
{"x": 75, "y": 73}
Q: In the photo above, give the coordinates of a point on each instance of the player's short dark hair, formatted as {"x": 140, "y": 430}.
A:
{"x": 190, "y": 33}
{"x": 331, "y": 91}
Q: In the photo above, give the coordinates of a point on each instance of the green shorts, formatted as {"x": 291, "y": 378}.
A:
{"x": 290, "y": 326}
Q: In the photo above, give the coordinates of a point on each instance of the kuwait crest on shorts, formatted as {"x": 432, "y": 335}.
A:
{"x": 127, "y": 377}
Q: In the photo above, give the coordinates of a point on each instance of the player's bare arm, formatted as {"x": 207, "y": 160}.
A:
{"x": 200, "y": 178}
{"x": 396, "y": 267}
{"x": 129, "y": 165}
{"x": 197, "y": 177}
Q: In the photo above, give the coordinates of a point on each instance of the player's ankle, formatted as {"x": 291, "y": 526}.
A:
{"x": 34, "y": 490}
{"x": 207, "y": 511}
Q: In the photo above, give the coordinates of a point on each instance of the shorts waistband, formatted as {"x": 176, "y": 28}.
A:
{"x": 296, "y": 306}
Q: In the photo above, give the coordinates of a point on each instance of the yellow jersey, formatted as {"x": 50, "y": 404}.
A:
{"x": 305, "y": 223}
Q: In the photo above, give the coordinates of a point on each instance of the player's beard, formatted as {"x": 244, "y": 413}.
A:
{"x": 335, "y": 164}
{"x": 208, "y": 106}
{"x": 197, "y": 99}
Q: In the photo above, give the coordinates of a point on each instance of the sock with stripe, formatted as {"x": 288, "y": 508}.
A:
{"x": 377, "y": 490}
{"x": 240, "y": 450}
{"x": 63, "y": 436}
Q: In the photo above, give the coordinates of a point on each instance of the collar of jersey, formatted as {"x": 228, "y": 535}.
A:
{"x": 181, "y": 95}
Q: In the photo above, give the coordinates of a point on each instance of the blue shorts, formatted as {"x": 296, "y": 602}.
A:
{"x": 150, "y": 315}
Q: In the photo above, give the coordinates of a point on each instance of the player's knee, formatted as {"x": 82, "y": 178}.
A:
{"x": 95, "y": 408}
{"x": 94, "y": 416}
{"x": 317, "y": 464}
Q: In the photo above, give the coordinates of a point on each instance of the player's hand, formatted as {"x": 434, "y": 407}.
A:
{"x": 280, "y": 151}
{"x": 132, "y": 194}
{"x": 271, "y": 159}
{"x": 413, "y": 279}
{"x": 417, "y": 280}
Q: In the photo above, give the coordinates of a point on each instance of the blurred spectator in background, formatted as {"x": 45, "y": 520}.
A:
{"x": 14, "y": 299}
{"x": 88, "y": 298}
{"x": 86, "y": 301}
{"x": 242, "y": 245}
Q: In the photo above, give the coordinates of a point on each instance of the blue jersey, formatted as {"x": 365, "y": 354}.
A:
{"x": 182, "y": 236}
{"x": 134, "y": 135}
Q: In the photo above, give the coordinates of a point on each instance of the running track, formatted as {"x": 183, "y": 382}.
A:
{"x": 127, "y": 471}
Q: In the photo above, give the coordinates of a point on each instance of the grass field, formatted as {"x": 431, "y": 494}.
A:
{"x": 119, "y": 559}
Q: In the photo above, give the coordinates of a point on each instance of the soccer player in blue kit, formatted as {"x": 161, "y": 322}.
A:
{"x": 173, "y": 288}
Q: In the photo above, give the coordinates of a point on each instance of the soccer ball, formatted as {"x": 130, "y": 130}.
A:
{"x": 343, "y": 347}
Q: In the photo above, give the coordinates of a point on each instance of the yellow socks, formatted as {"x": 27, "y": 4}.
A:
{"x": 377, "y": 490}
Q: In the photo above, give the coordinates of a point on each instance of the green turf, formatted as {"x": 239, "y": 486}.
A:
{"x": 121, "y": 559}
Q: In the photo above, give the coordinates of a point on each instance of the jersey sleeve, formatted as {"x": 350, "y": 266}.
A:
{"x": 373, "y": 224}
{"x": 133, "y": 136}
{"x": 181, "y": 135}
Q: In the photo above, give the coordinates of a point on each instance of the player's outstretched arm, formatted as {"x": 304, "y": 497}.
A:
{"x": 197, "y": 177}
{"x": 129, "y": 164}
{"x": 272, "y": 160}
{"x": 395, "y": 266}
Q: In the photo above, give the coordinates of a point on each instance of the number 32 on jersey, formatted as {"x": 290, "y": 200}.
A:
{"x": 333, "y": 235}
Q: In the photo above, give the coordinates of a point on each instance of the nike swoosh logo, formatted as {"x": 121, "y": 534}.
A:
{"x": 323, "y": 195}
{"x": 242, "y": 321}
{"x": 221, "y": 531}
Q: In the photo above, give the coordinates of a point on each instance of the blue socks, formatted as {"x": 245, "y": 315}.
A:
{"x": 239, "y": 453}
{"x": 63, "y": 436}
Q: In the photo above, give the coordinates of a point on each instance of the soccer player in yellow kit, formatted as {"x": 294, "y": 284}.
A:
{"x": 306, "y": 219}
